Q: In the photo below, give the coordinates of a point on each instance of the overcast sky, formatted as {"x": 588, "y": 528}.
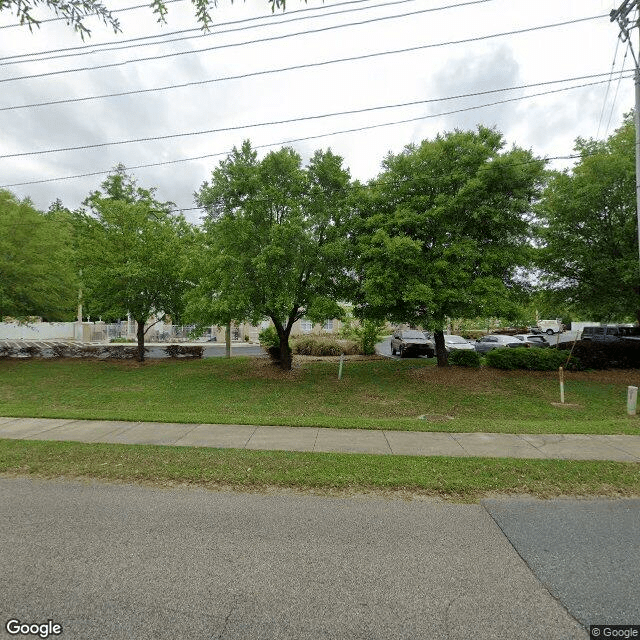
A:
{"x": 440, "y": 66}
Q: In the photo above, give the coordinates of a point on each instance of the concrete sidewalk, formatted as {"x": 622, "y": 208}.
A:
{"x": 409, "y": 443}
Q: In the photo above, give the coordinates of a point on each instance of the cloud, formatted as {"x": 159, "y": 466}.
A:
{"x": 494, "y": 68}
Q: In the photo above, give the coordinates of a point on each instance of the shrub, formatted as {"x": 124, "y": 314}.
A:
{"x": 465, "y": 358}
{"x": 124, "y": 353}
{"x": 269, "y": 338}
{"x": 624, "y": 354}
{"x": 532, "y": 359}
{"x": 316, "y": 346}
{"x": 30, "y": 350}
{"x": 184, "y": 351}
{"x": 6, "y": 351}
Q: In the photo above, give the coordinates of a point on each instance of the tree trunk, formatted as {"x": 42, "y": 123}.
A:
{"x": 441, "y": 351}
{"x": 286, "y": 357}
{"x": 227, "y": 340}
{"x": 140, "y": 335}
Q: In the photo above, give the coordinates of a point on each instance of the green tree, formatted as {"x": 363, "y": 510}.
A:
{"x": 275, "y": 239}
{"x": 443, "y": 231}
{"x": 131, "y": 250}
{"x": 589, "y": 230}
{"x": 75, "y": 12}
{"x": 37, "y": 274}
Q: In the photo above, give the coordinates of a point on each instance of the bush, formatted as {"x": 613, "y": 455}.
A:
{"x": 179, "y": 350}
{"x": 624, "y": 354}
{"x": 465, "y": 358}
{"x": 324, "y": 346}
{"x": 316, "y": 346}
{"x": 269, "y": 338}
{"x": 531, "y": 359}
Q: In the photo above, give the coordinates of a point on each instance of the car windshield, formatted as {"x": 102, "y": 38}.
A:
{"x": 413, "y": 334}
{"x": 454, "y": 339}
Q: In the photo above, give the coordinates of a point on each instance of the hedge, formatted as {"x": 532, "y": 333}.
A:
{"x": 532, "y": 359}
{"x": 464, "y": 358}
{"x": 623, "y": 354}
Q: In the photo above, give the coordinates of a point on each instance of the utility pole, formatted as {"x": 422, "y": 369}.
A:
{"x": 621, "y": 16}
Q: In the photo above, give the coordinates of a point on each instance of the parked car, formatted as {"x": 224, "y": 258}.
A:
{"x": 452, "y": 343}
{"x": 409, "y": 342}
{"x": 495, "y": 341}
{"x": 532, "y": 340}
{"x": 610, "y": 333}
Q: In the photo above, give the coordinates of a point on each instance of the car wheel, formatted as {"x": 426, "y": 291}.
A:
{"x": 401, "y": 351}
{"x": 393, "y": 351}
{"x": 549, "y": 332}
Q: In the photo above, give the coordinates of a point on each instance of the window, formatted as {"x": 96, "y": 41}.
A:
{"x": 306, "y": 325}
{"x": 328, "y": 325}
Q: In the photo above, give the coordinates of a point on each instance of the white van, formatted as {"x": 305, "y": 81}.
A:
{"x": 551, "y": 326}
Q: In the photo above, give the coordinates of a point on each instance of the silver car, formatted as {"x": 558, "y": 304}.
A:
{"x": 495, "y": 341}
{"x": 532, "y": 340}
{"x": 452, "y": 343}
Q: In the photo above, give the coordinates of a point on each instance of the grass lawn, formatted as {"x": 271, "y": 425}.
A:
{"x": 465, "y": 479}
{"x": 373, "y": 394}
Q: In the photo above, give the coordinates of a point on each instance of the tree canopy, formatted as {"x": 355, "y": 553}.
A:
{"x": 274, "y": 240}
{"x": 589, "y": 230}
{"x": 131, "y": 249}
{"x": 444, "y": 229}
{"x": 75, "y": 12}
{"x": 37, "y": 273}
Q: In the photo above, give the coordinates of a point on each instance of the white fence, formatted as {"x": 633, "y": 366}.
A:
{"x": 41, "y": 331}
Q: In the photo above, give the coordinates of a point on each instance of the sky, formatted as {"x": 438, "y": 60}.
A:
{"x": 367, "y": 57}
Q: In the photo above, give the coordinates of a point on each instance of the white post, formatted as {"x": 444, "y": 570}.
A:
{"x": 340, "y": 367}
{"x": 561, "y": 385}
{"x": 632, "y": 400}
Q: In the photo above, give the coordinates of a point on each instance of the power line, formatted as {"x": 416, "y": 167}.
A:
{"x": 299, "y": 33}
{"x": 265, "y": 72}
{"x": 305, "y": 138}
{"x": 304, "y": 118}
{"x": 138, "y": 6}
{"x": 117, "y": 45}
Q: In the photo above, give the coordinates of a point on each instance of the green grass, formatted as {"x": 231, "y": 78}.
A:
{"x": 452, "y": 478}
{"x": 373, "y": 394}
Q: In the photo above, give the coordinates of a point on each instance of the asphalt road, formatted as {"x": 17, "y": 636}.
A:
{"x": 587, "y": 552}
{"x": 126, "y": 562}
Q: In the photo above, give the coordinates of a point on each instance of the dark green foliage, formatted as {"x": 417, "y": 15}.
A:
{"x": 274, "y": 241}
{"x": 530, "y": 359}
{"x": 443, "y": 231}
{"x": 606, "y": 355}
{"x": 464, "y": 358}
{"x": 184, "y": 351}
{"x": 269, "y": 337}
{"x": 588, "y": 226}
{"x": 37, "y": 270}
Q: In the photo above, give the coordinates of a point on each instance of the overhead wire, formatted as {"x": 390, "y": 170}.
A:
{"x": 117, "y": 45}
{"x": 148, "y": 6}
{"x": 57, "y": 19}
{"x": 307, "y": 118}
{"x": 301, "y": 139}
{"x": 606, "y": 95}
{"x": 253, "y": 74}
{"x": 615, "y": 95}
{"x": 312, "y": 31}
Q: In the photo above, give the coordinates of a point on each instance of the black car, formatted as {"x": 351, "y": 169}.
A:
{"x": 409, "y": 342}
